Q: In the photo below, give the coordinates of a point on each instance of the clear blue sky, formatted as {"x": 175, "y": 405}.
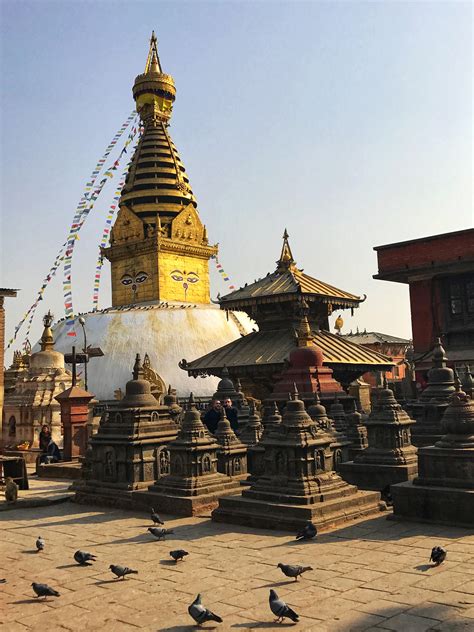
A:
{"x": 349, "y": 123}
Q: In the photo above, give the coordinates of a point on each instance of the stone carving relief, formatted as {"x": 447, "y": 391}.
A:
{"x": 110, "y": 465}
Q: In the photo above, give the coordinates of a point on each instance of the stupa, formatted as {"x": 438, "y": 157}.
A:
{"x": 232, "y": 453}
{"x": 31, "y": 400}
{"x": 130, "y": 449}
{"x": 295, "y": 487}
{"x": 194, "y": 484}
{"x": 159, "y": 253}
{"x": 429, "y": 409}
{"x": 443, "y": 492}
{"x": 390, "y": 457}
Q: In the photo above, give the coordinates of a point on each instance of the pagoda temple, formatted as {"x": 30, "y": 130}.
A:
{"x": 159, "y": 253}
{"x": 277, "y": 303}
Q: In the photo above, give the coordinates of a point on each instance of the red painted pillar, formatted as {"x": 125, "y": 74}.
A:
{"x": 74, "y": 403}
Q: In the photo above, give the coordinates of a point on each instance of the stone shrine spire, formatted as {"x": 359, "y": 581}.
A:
{"x": 159, "y": 248}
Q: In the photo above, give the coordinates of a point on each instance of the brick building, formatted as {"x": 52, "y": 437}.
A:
{"x": 439, "y": 271}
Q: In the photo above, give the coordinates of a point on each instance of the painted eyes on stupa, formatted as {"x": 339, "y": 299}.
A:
{"x": 191, "y": 277}
{"x": 127, "y": 279}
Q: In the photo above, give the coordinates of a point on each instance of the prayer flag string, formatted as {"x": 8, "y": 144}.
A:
{"x": 222, "y": 272}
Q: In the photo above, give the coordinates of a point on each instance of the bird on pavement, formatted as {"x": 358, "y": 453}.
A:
{"x": 178, "y": 554}
{"x": 160, "y": 533}
{"x": 82, "y": 557}
{"x": 307, "y": 532}
{"x": 200, "y": 614}
{"x": 40, "y": 544}
{"x": 291, "y": 570}
{"x": 43, "y": 590}
{"x": 438, "y": 555}
{"x": 155, "y": 517}
{"x": 121, "y": 571}
{"x": 280, "y": 609}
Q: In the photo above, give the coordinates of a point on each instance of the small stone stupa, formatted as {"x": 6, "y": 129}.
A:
{"x": 356, "y": 433}
{"x": 340, "y": 443}
{"x": 194, "y": 484}
{"x": 294, "y": 486}
{"x": 429, "y": 409}
{"x": 390, "y": 457}
{"x": 443, "y": 492}
{"x": 130, "y": 449}
{"x": 232, "y": 453}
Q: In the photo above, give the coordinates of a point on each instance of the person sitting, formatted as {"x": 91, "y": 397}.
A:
{"x": 212, "y": 416}
{"x": 52, "y": 455}
{"x": 44, "y": 438}
{"x": 232, "y": 414}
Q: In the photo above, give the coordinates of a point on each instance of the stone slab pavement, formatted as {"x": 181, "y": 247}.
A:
{"x": 42, "y": 491}
{"x": 371, "y": 575}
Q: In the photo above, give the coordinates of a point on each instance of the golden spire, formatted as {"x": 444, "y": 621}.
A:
{"x": 153, "y": 60}
{"x": 286, "y": 261}
{"x": 305, "y": 338}
{"x": 47, "y": 340}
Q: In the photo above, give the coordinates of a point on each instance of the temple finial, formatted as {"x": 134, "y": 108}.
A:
{"x": 304, "y": 333}
{"x": 137, "y": 369}
{"x": 47, "y": 340}
{"x": 286, "y": 260}
{"x": 153, "y": 60}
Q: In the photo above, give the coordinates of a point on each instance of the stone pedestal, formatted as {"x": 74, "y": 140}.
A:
{"x": 74, "y": 403}
{"x": 194, "y": 484}
{"x": 390, "y": 458}
{"x": 129, "y": 450}
{"x": 360, "y": 391}
{"x": 294, "y": 486}
{"x": 443, "y": 492}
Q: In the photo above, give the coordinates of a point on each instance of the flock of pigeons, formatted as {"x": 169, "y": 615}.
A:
{"x": 197, "y": 611}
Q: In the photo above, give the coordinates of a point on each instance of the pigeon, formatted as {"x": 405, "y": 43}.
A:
{"x": 438, "y": 555}
{"x": 121, "y": 571}
{"x": 200, "y": 614}
{"x": 291, "y": 570}
{"x": 43, "y": 590}
{"x": 82, "y": 557}
{"x": 155, "y": 517}
{"x": 178, "y": 554}
{"x": 281, "y": 609}
{"x": 39, "y": 544}
{"x": 307, "y": 532}
{"x": 159, "y": 533}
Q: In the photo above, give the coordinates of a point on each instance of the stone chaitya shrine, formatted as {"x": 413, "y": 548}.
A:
{"x": 295, "y": 486}
{"x": 443, "y": 491}
{"x": 130, "y": 449}
{"x": 390, "y": 457}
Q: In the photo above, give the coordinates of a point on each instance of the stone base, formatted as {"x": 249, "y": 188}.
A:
{"x": 182, "y": 505}
{"x": 425, "y": 439}
{"x": 376, "y": 477}
{"x": 268, "y": 515}
{"x": 66, "y": 469}
{"x": 29, "y": 456}
{"x": 439, "y": 505}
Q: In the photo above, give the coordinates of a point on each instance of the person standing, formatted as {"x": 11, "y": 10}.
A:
{"x": 212, "y": 416}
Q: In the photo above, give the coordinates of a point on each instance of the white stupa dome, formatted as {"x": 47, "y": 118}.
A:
{"x": 167, "y": 332}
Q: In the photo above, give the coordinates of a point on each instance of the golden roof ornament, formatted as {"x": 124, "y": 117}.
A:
{"x": 47, "y": 340}
{"x": 338, "y": 325}
{"x": 286, "y": 261}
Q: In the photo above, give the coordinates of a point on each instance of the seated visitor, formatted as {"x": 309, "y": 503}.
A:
{"x": 52, "y": 454}
{"x": 212, "y": 416}
{"x": 44, "y": 438}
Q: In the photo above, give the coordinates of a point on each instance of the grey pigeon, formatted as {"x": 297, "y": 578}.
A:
{"x": 159, "y": 532}
{"x": 178, "y": 554}
{"x": 82, "y": 557}
{"x": 200, "y": 614}
{"x": 121, "y": 571}
{"x": 307, "y": 532}
{"x": 39, "y": 544}
{"x": 438, "y": 555}
{"x": 280, "y": 609}
{"x": 291, "y": 570}
{"x": 43, "y": 590}
{"x": 155, "y": 517}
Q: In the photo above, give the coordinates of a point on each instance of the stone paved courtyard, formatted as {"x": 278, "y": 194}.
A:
{"x": 372, "y": 575}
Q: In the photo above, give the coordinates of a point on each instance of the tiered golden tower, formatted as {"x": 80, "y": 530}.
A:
{"x": 158, "y": 246}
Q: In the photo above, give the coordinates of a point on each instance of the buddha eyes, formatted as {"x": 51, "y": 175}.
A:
{"x": 178, "y": 275}
{"x": 192, "y": 279}
{"x": 141, "y": 277}
{"x": 126, "y": 279}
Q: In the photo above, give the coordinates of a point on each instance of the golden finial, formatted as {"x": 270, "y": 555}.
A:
{"x": 286, "y": 261}
{"x": 153, "y": 61}
{"x": 338, "y": 325}
{"x": 47, "y": 340}
{"x": 304, "y": 333}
